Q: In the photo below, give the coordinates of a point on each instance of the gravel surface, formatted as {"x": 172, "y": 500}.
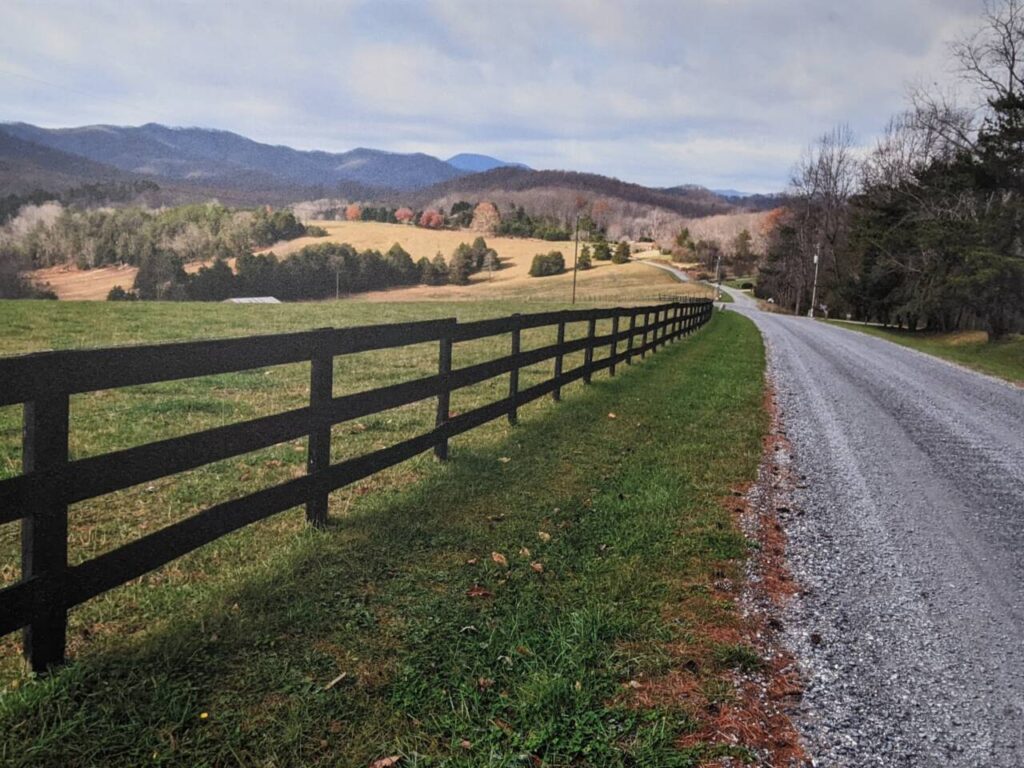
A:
{"x": 907, "y": 537}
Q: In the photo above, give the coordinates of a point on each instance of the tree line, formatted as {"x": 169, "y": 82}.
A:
{"x": 926, "y": 230}
{"x": 314, "y": 272}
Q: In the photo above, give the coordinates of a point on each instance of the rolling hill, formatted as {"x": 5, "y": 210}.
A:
{"x": 223, "y": 159}
{"x": 26, "y": 167}
{"x": 190, "y": 164}
{"x": 685, "y": 201}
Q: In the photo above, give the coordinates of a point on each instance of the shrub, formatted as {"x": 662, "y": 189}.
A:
{"x": 545, "y": 264}
{"x": 117, "y": 293}
{"x": 621, "y": 255}
{"x": 602, "y": 251}
{"x": 583, "y": 262}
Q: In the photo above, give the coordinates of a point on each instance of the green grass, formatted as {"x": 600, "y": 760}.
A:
{"x": 622, "y": 514}
{"x": 1003, "y": 358}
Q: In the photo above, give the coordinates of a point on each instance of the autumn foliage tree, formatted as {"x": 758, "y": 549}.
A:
{"x": 353, "y": 212}
{"x": 485, "y": 217}
{"x": 404, "y": 215}
{"x": 431, "y": 219}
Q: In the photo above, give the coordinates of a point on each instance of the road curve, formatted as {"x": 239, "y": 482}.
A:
{"x": 908, "y": 537}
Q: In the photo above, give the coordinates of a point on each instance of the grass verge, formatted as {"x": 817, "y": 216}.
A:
{"x": 491, "y": 613}
{"x": 1004, "y": 358}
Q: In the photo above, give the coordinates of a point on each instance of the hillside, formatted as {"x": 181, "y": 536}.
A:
{"x": 696, "y": 201}
{"x": 216, "y": 158}
{"x": 26, "y": 167}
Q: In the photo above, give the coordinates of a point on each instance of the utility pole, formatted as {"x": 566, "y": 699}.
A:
{"x": 718, "y": 276}
{"x": 575, "y": 257}
{"x": 814, "y": 290}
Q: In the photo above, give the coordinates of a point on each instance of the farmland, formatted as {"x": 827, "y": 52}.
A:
{"x": 251, "y": 628}
{"x": 605, "y": 282}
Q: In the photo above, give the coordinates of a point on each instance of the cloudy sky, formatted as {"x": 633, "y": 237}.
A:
{"x": 723, "y": 93}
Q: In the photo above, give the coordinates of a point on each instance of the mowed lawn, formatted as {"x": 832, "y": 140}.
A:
{"x": 1003, "y": 358}
{"x": 396, "y": 631}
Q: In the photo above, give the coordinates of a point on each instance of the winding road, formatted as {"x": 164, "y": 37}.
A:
{"x": 907, "y": 538}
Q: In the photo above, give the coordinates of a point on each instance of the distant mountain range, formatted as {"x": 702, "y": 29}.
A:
{"x": 198, "y": 163}
{"x": 471, "y": 163}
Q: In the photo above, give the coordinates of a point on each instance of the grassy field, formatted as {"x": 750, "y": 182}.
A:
{"x": 605, "y": 508}
{"x": 1004, "y": 358}
{"x": 606, "y": 282}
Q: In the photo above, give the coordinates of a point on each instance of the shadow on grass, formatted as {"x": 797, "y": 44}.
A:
{"x": 394, "y": 631}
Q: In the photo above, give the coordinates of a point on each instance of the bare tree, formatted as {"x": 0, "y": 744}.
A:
{"x": 823, "y": 181}
{"x": 992, "y": 58}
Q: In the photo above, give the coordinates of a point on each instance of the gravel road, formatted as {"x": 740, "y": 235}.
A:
{"x": 908, "y": 537}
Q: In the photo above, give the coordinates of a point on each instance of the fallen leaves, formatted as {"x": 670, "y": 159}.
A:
{"x": 504, "y": 459}
{"x": 544, "y": 536}
{"x": 478, "y": 591}
{"x": 500, "y": 559}
{"x": 386, "y": 762}
{"x": 612, "y": 416}
{"x": 537, "y": 567}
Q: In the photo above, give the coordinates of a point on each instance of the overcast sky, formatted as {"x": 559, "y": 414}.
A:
{"x": 723, "y": 93}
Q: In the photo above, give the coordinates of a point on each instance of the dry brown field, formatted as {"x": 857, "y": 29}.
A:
{"x": 605, "y": 283}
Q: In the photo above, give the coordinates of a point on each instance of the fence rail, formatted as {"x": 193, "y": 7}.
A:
{"x": 50, "y": 482}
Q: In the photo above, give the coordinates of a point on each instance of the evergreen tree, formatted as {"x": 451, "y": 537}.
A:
{"x": 583, "y": 261}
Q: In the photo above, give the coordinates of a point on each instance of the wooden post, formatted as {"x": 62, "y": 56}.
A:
{"x": 588, "y": 355}
{"x": 629, "y": 339}
{"x": 513, "y": 376}
{"x": 643, "y": 343}
{"x": 44, "y": 532}
{"x": 318, "y": 455}
{"x": 444, "y": 394}
{"x": 614, "y": 344}
{"x": 556, "y": 395}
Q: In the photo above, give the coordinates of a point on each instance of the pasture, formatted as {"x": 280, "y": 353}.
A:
{"x": 606, "y": 282}
{"x": 226, "y": 654}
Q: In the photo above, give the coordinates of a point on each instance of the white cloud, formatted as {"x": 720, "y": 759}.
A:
{"x": 658, "y": 91}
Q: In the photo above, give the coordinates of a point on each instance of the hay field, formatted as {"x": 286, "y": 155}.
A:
{"x": 605, "y": 283}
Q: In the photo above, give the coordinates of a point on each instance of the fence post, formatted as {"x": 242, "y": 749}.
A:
{"x": 615, "y": 343}
{"x": 556, "y": 395}
{"x": 643, "y": 344}
{"x": 679, "y": 321}
{"x": 444, "y": 392}
{"x": 513, "y": 376}
{"x": 588, "y": 354}
{"x": 656, "y": 337}
{"x": 44, "y": 532}
{"x": 629, "y": 339}
{"x": 318, "y": 454}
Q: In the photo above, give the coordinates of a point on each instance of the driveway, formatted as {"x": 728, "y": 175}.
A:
{"x": 907, "y": 537}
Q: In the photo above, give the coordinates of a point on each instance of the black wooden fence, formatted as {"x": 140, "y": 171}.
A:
{"x": 50, "y": 482}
